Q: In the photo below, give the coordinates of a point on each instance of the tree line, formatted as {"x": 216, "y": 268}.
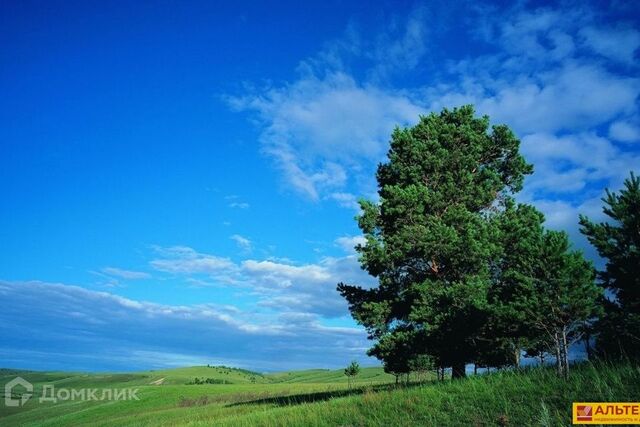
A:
{"x": 466, "y": 274}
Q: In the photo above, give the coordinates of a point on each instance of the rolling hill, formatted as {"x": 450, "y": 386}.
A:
{"x": 534, "y": 396}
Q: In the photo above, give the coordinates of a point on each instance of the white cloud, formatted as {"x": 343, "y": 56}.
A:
{"x": 619, "y": 44}
{"x": 401, "y": 52}
{"x": 568, "y": 164}
{"x": 281, "y": 284}
{"x": 314, "y": 294}
{"x": 557, "y": 76}
{"x": 235, "y": 202}
{"x": 185, "y": 260}
{"x": 569, "y": 97}
{"x": 571, "y": 173}
{"x": 346, "y": 200}
{"x": 309, "y": 288}
{"x": 558, "y": 101}
{"x": 328, "y": 128}
{"x": 563, "y": 216}
{"x": 538, "y": 35}
{"x": 115, "y": 333}
{"x": 624, "y": 131}
{"x": 243, "y": 243}
{"x": 239, "y": 205}
{"x": 348, "y": 243}
{"x": 125, "y": 274}
{"x": 284, "y": 274}
{"x": 317, "y": 127}
{"x": 536, "y": 81}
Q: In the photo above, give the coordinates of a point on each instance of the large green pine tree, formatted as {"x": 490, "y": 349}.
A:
{"x": 430, "y": 239}
{"x": 618, "y": 242}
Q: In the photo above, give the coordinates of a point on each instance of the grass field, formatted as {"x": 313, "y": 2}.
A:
{"x": 321, "y": 397}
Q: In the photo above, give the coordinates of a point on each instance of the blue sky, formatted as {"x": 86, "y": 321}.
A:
{"x": 178, "y": 179}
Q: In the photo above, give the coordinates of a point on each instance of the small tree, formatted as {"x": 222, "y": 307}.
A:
{"x": 421, "y": 364}
{"x": 566, "y": 296}
{"x": 395, "y": 349}
{"x": 352, "y": 371}
{"x": 539, "y": 348}
{"x": 521, "y": 234}
{"x": 493, "y": 353}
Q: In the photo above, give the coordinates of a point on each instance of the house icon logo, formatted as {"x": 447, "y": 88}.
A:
{"x": 19, "y": 399}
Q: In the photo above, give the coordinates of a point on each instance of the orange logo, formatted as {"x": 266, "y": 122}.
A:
{"x": 599, "y": 413}
{"x": 584, "y": 413}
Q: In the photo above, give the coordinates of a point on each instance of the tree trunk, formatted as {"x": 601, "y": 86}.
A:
{"x": 587, "y": 345}
{"x": 556, "y": 339}
{"x": 565, "y": 353}
{"x": 458, "y": 370}
{"x": 475, "y": 369}
{"x": 516, "y": 357}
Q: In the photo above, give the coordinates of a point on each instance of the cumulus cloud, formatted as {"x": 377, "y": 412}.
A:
{"x": 538, "y": 36}
{"x": 573, "y": 96}
{"x": 550, "y": 74}
{"x": 619, "y": 44}
{"x": 307, "y": 288}
{"x": 99, "y": 330}
{"x": 318, "y": 127}
{"x": 563, "y": 80}
{"x": 279, "y": 284}
{"x": 185, "y": 260}
{"x": 569, "y": 164}
{"x": 326, "y": 129}
{"x": 285, "y": 274}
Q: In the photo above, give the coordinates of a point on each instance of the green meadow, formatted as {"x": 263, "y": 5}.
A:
{"x": 533, "y": 396}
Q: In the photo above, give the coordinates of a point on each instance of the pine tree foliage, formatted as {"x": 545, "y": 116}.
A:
{"x": 465, "y": 274}
{"x": 618, "y": 242}
{"x": 429, "y": 240}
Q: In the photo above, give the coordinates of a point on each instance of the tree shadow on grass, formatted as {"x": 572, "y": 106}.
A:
{"x": 297, "y": 399}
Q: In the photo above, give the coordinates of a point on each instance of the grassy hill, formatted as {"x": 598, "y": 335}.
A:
{"x": 189, "y": 374}
{"x": 366, "y": 375}
{"x": 156, "y": 377}
{"x": 318, "y": 397}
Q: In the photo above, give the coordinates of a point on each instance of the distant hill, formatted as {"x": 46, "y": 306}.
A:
{"x": 189, "y": 375}
{"x": 366, "y": 375}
